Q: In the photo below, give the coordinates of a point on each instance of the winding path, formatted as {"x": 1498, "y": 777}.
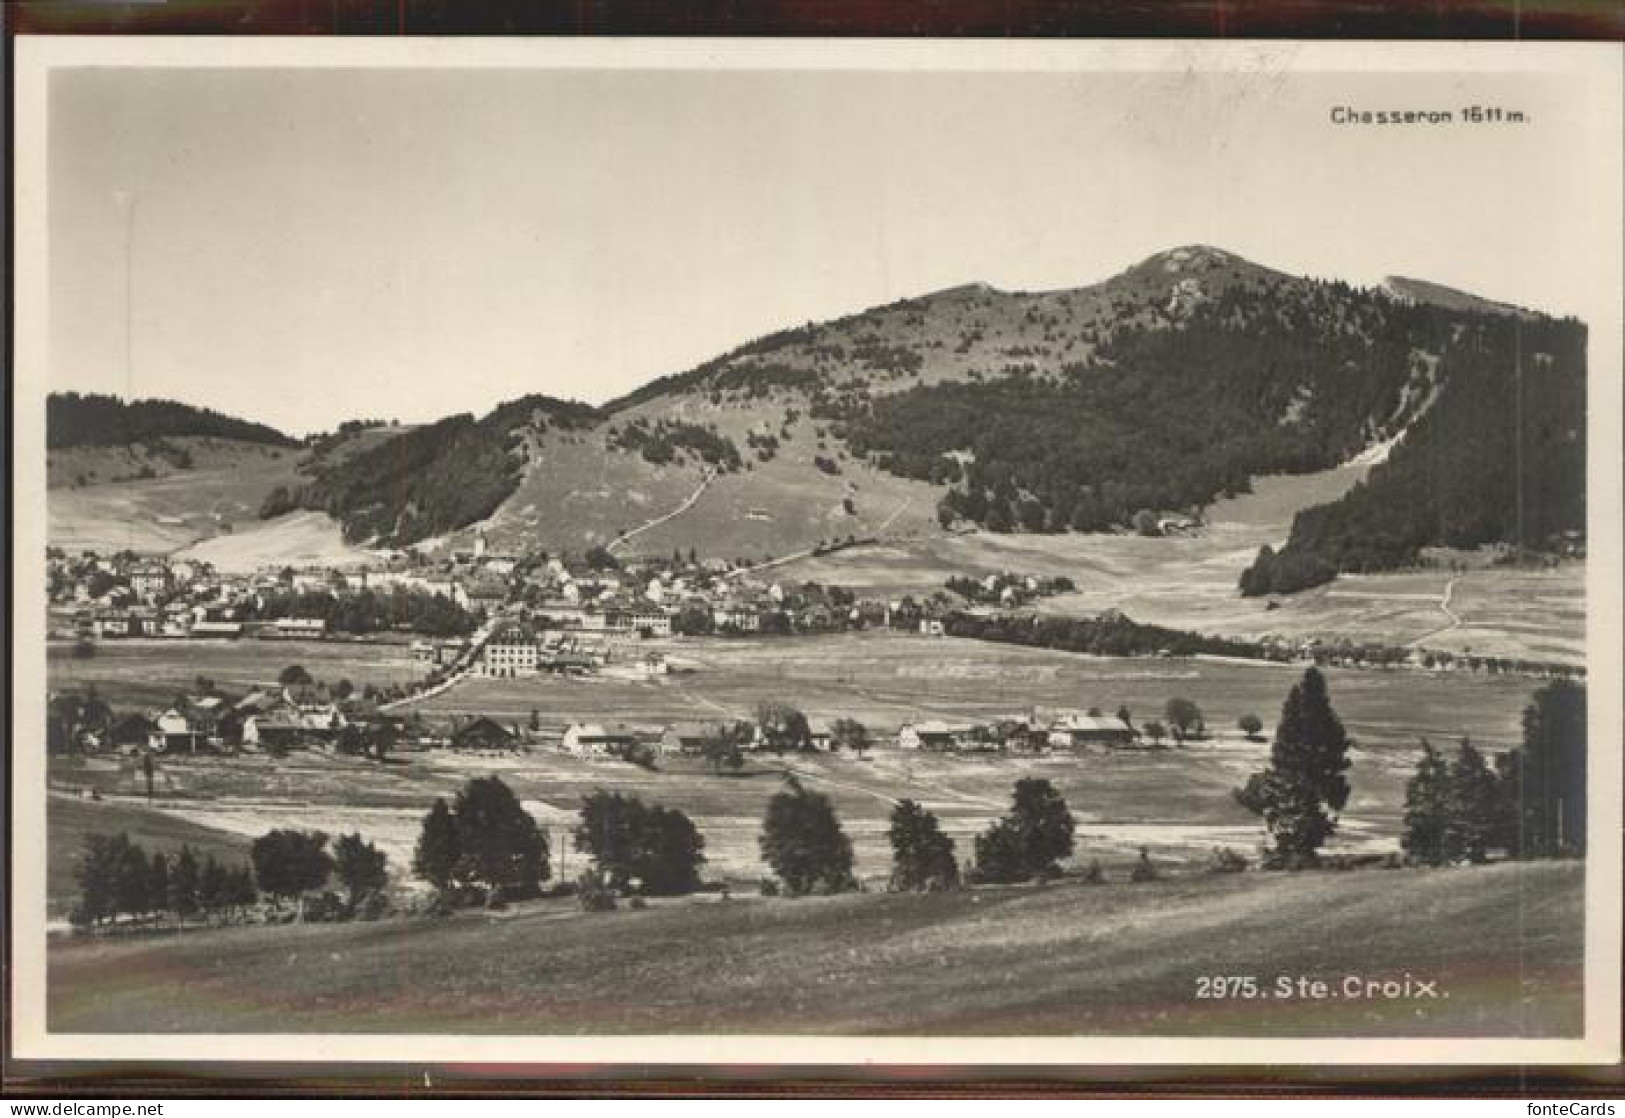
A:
{"x": 699, "y": 490}
{"x": 1444, "y": 608}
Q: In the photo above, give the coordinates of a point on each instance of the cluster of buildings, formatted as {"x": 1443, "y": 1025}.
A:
{"x": 1024, "y": 733}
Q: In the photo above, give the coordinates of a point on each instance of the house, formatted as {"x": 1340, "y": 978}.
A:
{"x": 486, "y": 594}
{"x": 689, "y": 739}
{"x": 113, "y": 625}
{"x": 592, "y": 739}
{"x": 483, "y": 733}
{"x": 176, "y": 623}
{"x": 131, "y": 733}
{"x": 1080, "y": 731}
{"x": 300, "y": 626}
{"x": 279, "y": 729}
{"x": 945, "y": 736}
{"x": 228, "y": 629}
{"x": 737, "y": 619}
{"x": 634, "y": 619}
{"x": 149, "y": 579}
{"x": 175, "y": 732}
{"x": 511, "y": 651}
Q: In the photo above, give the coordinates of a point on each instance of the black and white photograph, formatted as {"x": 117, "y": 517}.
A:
{"x": 773, "y": 552}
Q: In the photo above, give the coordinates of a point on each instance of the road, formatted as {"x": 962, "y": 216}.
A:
{"x": 705, "y": 481}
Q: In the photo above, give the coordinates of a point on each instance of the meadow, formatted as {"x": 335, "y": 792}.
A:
{"x": 147, "y": 672}
{"x": 1502, "y": 943}
{"x": 1175, "y": 801}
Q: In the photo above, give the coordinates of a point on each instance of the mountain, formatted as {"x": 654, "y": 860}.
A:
{"x": 1108, "y": 407}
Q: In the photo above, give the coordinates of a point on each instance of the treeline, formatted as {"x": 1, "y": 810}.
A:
{"x": 430, "y": 480}
{"x": 117, "y": 877}
{"x": 666, "y": 439}
{"x": 1530, "y": 803}
{"x": 368, "y": 611}
{"x": 72, "y": 419}
{"x": 1499, "y": 458}
{"x": 1110, "y": 634}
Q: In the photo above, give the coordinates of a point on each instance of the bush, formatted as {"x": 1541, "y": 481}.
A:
{"x": 374, "y": 906}
{"x": 1094, "y": 873}
{"x": 768, "y": 887}
{"x": 593, "y": 894}
{"x": 1144, "y": 869}
{"x": 1226, "y": 860}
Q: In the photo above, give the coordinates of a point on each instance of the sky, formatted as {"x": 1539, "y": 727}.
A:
{"x": 303, "y": 246}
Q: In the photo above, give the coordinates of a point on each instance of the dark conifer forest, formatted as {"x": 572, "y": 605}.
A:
{"x": 72, "y": 419}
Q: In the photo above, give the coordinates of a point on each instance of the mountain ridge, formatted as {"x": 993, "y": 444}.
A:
{"x": 1152, "y": 392}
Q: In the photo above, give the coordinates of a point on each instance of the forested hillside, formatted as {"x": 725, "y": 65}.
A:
{"x": 432, "y": 479}
{"x": 93, "y": 420}
{"x": 1500, "y": 458}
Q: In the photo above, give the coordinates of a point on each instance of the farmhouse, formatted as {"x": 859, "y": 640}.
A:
{"x": 284, "y": 729}
{"x": 688, "y": 738}
{"x": 300, "y": 626}
{"x": 130, "y": 733}
{"x": 942, "y": 736}
{"x": 483, "y": 733}
{"x": 1078, "y": 731}
{"x": 592, "y": 739}
{"x": 174, "y": 732}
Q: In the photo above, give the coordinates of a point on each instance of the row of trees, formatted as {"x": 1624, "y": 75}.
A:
{"x": 368, "y": 611}
{"x": 118, "y": 877}
{"x": 1529, "y": 804}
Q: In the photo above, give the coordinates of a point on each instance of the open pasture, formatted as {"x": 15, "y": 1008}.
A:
{"x": 149, "y": 672}
{"x": 1176, "y": 801}
{"x": 886, "y": 679}
{"x": 1190, "y": 581}
{"x": 1502, "y": 943}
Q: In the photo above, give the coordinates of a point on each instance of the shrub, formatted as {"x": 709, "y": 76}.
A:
{"x": 1094, "y": 873}
{"x": 593, "y": 894}
{"x": 1144, "y": 869}
{"x": 1226, "y": 860}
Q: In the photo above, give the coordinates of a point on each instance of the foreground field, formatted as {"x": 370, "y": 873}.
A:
{"x": 1503, "y": 944}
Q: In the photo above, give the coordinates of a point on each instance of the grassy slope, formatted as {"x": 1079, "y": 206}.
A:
{"x": 1503, "y": 941}
{"x": 220, "y": 495}
{"x": 298, "y": 539}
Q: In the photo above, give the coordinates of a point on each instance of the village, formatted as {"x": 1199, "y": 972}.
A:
{"x": 478, "y": 613}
